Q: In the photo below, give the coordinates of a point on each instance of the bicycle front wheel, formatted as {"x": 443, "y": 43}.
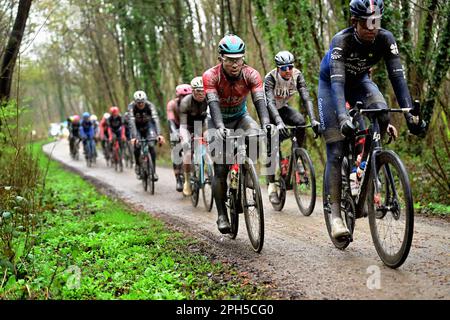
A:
{"x": 151, "y": 176}
{"x": 208, "y": 199}
{"x": 391, "y": 210}
{"x": 195, "y": 185}
{"x": 253, "y": 206}
{"x": 304, "y": 180}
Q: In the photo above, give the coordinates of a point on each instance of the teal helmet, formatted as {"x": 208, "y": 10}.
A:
{"x": 232, "y": 46}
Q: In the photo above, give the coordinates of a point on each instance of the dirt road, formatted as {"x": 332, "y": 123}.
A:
{"x": 298, "y": 258}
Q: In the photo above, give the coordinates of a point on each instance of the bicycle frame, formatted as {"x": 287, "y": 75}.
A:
{"x": 374, "y": 146}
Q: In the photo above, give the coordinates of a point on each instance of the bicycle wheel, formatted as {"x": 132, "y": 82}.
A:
{"x": 208, "y": 197}
{"x": 391, "y": 211}
{"x": 347, "y": 209}
{"x": 143, "y": 168}
{"x": 195, "y": 185}
{"x": 304, "y": 181}
{"x": 281, "y": 186}
{"x": 151, "y": 176}
{"x": 253, "y": 206}
{"x": 233, "y": 215}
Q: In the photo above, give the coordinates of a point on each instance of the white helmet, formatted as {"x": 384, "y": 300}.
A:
{"x": 106, "y": 116}
{"x": 140, "y": 96}
{"x": 197, "y": 83}
{"x": 94, "y": 117}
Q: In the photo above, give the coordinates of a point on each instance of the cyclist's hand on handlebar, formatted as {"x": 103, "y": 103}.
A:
{"x": 133, "y": 141}
{"x": 315, "y": 125}
{"x": 223, "y": 133}
{"x": 346, "y": 126}
{"x": 392, "y": 132}
{"x": 161, "y": 140}
{"x": 416, "y": 126}
{"x": 282, "y": 130}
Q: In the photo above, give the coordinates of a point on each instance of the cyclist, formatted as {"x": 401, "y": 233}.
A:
{"x": 227, "y": 86}
{"x": 173, "y": 117}
{"x": 192, "y": 113}
{"x": 116, "y": 127}
{"x": 74, "y": 132}
{"x": 87, "y": 132}
{"x": 344, "y": 77}
{"x": 144, "y": 123}
{"x": 280, "y": 85}
{"x": 104, "y": 134}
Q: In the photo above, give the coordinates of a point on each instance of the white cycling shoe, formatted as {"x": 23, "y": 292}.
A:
{"x": 338, "y": 228}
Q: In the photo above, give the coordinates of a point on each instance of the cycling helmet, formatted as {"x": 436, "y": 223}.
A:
{"x": 232, "y": 46}
{"x": 86, "y": 115}
{"x": 183, "y": 89}
{"x": 106, "y": 116}
{"x": 283, "y": 58}
{"x": 140, "y": 96}
{"x": 366, "y": 8}
{"x": 94, "y": 117}
{"x": 114, "y": 111}
{"x": 197, "y": 83}
{"x": 75, "y": 118}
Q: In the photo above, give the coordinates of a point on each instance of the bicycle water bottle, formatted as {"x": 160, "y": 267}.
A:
{"x": 234, "y": 181}
{"x": 361, "y": 168}
{"x": 354, "y": 183}
{"x": 284, "y": 166}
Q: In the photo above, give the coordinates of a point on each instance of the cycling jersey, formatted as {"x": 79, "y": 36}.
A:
{"x": 86, "y": 129}
{"x": 349, "y": 60}
{"x": 116, "y": 126}
{"x": 192, "y": 110}
{"x": 104, "y": 129}
{"x": 74, "y": 129}
{"x": 143, "y": 118}
{"x": 232, "y": 93}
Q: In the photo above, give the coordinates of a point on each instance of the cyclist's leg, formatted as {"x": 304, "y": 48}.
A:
{"x": 187, "y": 163}
{"x": 137, "y": 152}
{"x": 151, "y": 133}
{"x": 335, "y": 148}
{"x": 292, "y": 117}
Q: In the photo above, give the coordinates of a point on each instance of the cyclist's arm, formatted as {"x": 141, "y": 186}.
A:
{"x": 304, "y": 94}
{"x": 212, "y": 98}
{"x": 155, "y": 118}
{"x": 82, "y": 133}
{"x": 269, "y": 86}
{"x": 133, "y": 128}
{"x": 258, "y": 98}
{"x": 184, "y": 109}
{"x": 337, "y": 75}
{"x": 396, "y": 72}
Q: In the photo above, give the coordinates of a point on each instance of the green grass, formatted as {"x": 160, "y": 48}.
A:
{"x": 92, "y": 247}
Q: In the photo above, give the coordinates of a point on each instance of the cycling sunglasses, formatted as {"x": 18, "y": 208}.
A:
{"x": 287, "y": 67}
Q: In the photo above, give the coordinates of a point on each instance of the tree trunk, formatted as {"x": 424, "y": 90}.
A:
{"x": 12, "y": 50}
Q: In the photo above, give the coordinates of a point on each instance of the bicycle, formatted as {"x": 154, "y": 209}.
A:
{"x": 74, "y": 144}
{"x": 202, "y": 172}
{"x": 106, "y": 152}
{"x": 244, "y": 193}
{"x": 128, "y": 154}
{"x": 296, "y": 172}
{"x": 90, "y": 152}
{"x": 146, "y": 166}
{"x": 116, "y": 154}
{"x": 383, "y": 185}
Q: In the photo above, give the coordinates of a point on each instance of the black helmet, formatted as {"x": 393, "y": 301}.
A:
{"x": 283, "y": 58}
{"x": 366, "y": 8}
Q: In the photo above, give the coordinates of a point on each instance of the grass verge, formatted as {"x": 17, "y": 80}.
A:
{"x": 92, "y": 247}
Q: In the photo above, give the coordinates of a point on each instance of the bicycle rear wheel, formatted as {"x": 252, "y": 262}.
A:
{"x": 253, "y": 206}
{"x": 281, "y": 186}
{"x": 208, "y": 197}
{"x": 391, "y": 211}
{"x": 304, "y": 181}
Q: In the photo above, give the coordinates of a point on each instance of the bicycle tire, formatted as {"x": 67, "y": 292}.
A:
{"x": 257, "y": 240}
{"x": 281, "y": 184}
{"x": 306, "y": 208}
{"x": 144, "y": 174}
{"x": 233, "y": 216}
{"x": 341, "y": 243}
{"x": 151, "y": 176}
{"x": 208, "y": 196}
{"x": 388, "y": 160}
{"x": 194, "y": 185}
